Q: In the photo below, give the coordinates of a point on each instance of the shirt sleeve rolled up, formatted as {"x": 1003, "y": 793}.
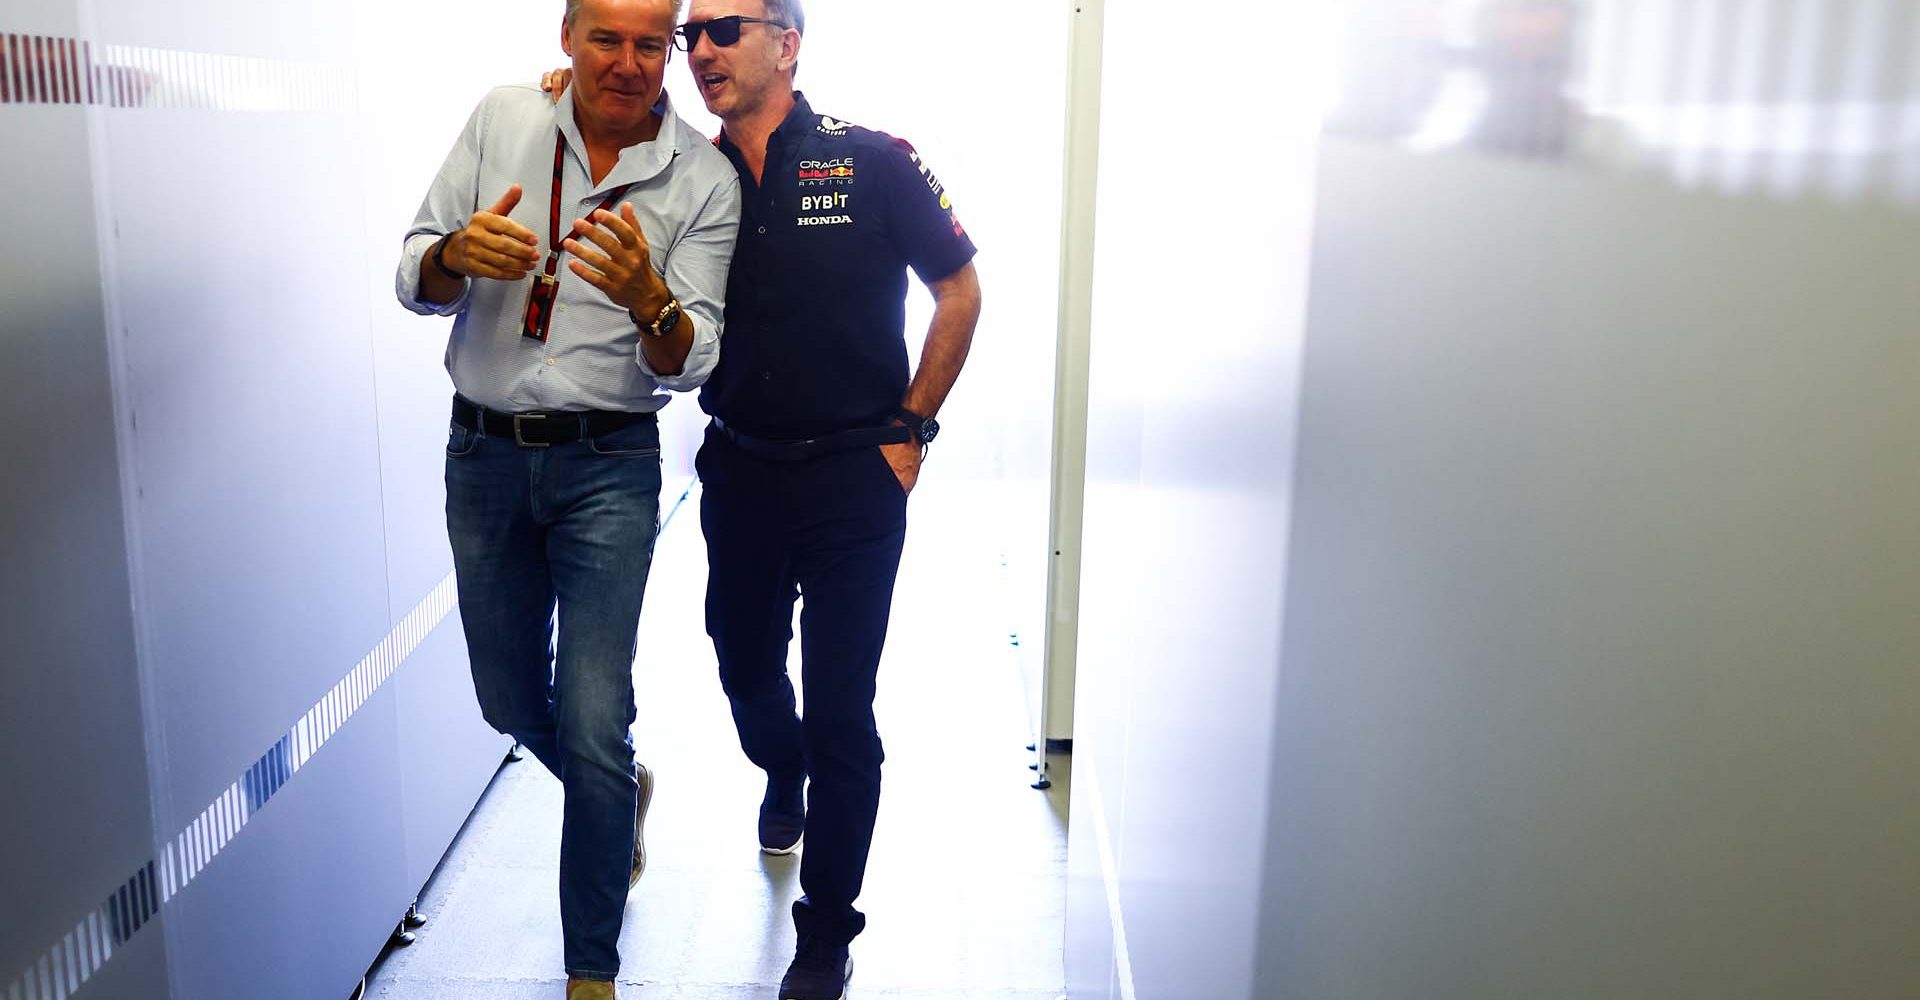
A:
{"x": 449, "y": 204}
{"x": 696, "y": 273}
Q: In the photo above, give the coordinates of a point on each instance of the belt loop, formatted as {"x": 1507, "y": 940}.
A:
{"x": 467, "y": 414}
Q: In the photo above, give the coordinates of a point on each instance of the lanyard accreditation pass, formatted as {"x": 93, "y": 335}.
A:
{"x": 546, "y": 286}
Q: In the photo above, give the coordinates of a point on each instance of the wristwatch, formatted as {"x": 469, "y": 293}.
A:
{"x": 924, "y": 429}
{"x": 663, "y": 324}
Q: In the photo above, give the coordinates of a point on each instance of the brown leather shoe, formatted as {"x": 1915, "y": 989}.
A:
{"x": 590, "y": 989}
{"x": 639, "y": 827}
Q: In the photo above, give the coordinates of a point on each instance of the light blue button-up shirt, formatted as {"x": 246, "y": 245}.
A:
{"x": 687, "y": 198}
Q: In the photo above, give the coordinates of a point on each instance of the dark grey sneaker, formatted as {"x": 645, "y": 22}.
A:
{"x": 640, "y": 825}
{"x": 820, "y": 970}
{"x": 783, "y": 815}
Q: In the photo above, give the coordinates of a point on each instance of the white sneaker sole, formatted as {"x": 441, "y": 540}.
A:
{"x": 645, "y": 778}
{"x": 781, "y": 852}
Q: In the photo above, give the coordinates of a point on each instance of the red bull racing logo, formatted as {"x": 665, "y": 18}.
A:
{"x": 824, "y": 172}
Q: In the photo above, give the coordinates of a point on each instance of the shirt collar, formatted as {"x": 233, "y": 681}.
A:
{"x": 799, "y": 121}
{"x": 639, "y": 162}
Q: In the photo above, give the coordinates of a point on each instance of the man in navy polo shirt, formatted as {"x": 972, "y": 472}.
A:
{"x": 817, "y": 438}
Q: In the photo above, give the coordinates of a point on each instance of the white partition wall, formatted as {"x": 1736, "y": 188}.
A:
{"x": 1532, "y": 615}
{"x": 235, "y": 701}
{"x": 78, "y": 799}
{"x": 1598, "y": 677}
{"x": 1199, "y": 298}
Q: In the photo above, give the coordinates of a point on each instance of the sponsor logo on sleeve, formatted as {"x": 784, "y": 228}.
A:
{"x": 939, "y": 190}
{"x": 830, "y": 127}
{"x": 926, "y": 172}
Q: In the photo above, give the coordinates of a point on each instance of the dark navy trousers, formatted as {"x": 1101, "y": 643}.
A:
{"x": 827, "y": 531}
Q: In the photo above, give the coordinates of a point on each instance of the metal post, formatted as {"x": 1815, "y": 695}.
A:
{"x": 1071, "y": 356}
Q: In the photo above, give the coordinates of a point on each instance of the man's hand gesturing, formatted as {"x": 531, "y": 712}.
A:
{"x": 492, "y": 245}
{"x": 622, "y": 267}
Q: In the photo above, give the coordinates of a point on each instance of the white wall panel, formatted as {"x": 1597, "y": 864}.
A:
{"x": 252, "y": 407}
{"x": 1571, "y": 654}
{"x": 1598, "y": 674}
{"x": 1199, "y": 300}
{"x": 298, "y": 691}
{"x": 76, "y": 817}
{"x": 1597, "y": 670}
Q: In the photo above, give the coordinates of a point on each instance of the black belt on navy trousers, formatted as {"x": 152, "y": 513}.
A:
{"x": 826, "y": 444}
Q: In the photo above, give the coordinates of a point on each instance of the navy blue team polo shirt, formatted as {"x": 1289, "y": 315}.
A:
{"x": 815, "y": 337}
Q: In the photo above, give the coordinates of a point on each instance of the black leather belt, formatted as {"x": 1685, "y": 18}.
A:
{"x": 800, "y": 451}
{"x": 540, "y": 429}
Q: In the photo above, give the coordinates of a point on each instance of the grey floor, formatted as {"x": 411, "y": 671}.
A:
{"x": 965, "y": 890}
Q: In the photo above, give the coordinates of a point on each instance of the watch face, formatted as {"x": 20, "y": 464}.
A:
{"x": 929, "y": 430}
{"x": 669, "y": 318}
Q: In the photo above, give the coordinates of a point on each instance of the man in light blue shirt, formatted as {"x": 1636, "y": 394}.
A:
{"x": 553, "y": 458}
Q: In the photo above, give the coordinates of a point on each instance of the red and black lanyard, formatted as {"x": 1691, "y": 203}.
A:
{"x": 539, "y": 314}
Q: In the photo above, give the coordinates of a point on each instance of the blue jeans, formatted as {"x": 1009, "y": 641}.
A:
{"x": 571, "y": 527}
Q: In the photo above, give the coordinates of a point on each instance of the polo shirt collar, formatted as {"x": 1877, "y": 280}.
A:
{"x": 799, "y": 122}
{"x": 638, "y": 162}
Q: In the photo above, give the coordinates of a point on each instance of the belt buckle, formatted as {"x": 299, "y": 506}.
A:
{"x": 519, "y": 438}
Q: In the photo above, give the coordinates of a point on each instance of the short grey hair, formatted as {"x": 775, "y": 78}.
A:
{"x": 573, "y": 10}
{"x": 786, "y": 12}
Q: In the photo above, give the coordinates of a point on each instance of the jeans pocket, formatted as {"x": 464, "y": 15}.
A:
{"x": 460, "y": 440}
{"x": 639, "y": 438}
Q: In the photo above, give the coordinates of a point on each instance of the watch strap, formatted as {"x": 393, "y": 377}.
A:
{"x": 915, "y": 422}
{"x": 440, "y": 261}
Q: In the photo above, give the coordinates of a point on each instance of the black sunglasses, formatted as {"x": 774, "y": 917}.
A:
{"x": 724, "y": 31}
